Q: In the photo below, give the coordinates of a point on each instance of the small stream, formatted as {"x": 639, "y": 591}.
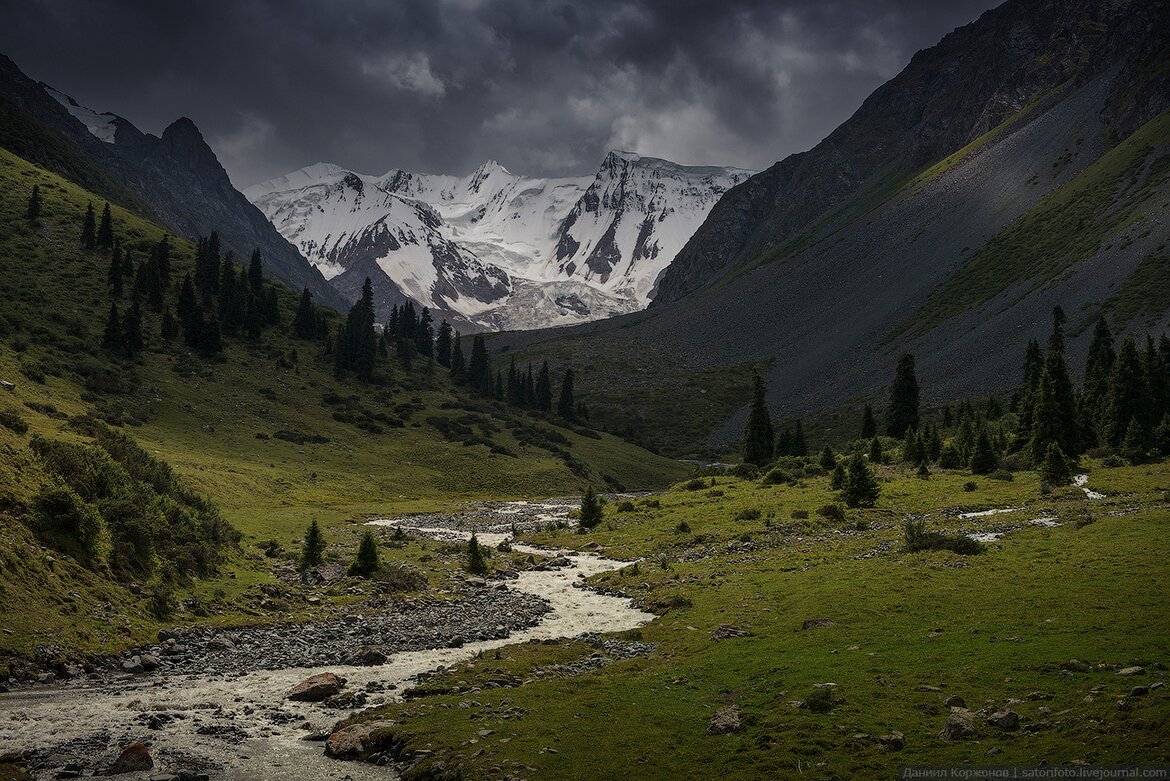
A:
{"x": 241, "y": 727}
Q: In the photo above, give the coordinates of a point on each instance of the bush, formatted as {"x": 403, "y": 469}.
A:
{"x": 13, "y": 421}
{"x": 919, "y": 539}
{"x": 66, "y": 522}
{"x": 750, "y": 514}
{"x": 625, "y": 506}
{"x": 476, "y": 564}
{"x": 776, "y": 476}
{"x": 694, "y": 484}
{"x": 683, "y": 527}
{"x": 800, "y": 514}
{"x": 400, "y": 576}
{"x": 1002, "y": 474}
{"x": 832, "y": 512}
{"x": 745, "y": 471}
{"x": 970, "y": 486}
{"x": 653, "y": 504}
{"x": 366, "y": 562}
{"x": 1082, "y": 518}
{"x": 821, "y": 700}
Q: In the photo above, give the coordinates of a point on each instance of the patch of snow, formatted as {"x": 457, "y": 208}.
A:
{"x": 1080, "y": 480}
{"x": 985, "y": 513}
{"x": 102, "y": 125}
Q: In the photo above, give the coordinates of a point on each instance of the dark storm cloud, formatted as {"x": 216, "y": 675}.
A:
{"x": 441, "y": 85}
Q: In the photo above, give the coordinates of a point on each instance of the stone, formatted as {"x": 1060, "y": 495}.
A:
{"x": 813, "y": 623}
{"x": 724, "y": 721}
{"x": 895, "y": 741}
{"x": 316, "y": 688}
{"x": 724, "y": 631}
{"x": 149, "y": 662}
{"x": 924, "y": 687}
{"x": 132, "y": 665}
{"x": 955, "y": 701}
{"x": 355, "y": 740}
{"x": 960, "y": 724}
{"x": 1135, "y": 670}
{"x": 366, "y": 655}
{"x": 1123, "y": 706}
{"x": 1007, "y": 720}
{"x": 221, "y": 643}
{"x": 1077, "y": 666}
{"x": 1139, "y": 691}
{"x": 169, "y": 634}
{"x": 8, "y": 386}
{"x": 135, "y": 757}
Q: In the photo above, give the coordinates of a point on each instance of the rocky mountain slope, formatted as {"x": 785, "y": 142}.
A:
{"x": 1022, "y": 163}
{"x": 495, "y": 250}
{"x": 175, "y": 178}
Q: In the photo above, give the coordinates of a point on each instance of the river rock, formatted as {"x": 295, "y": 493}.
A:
{"x": 813, "y": 623}
{"x": 366, "y": 655}
{"x": 724, "y": 721}
{"x": 148, "y": 662}
{"x": 353, "y": 741}
{"x": 1007, "y": 720}
{"x": 133, "y": 758}
{"x": 316, "y": 688}
{"x": 960, "y": 724}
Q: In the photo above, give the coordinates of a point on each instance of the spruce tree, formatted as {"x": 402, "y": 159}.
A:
{"x": 105, "y": 230}
{"x": 758, "y": 447}
{"x": 1029, "y": 388}
{"x": 947, "y": 419}
{"x": 837, "y": 476}
{"x": 210, "y": 335}
{"x": 1157, "y": 381}
{"x": 1047, "y": 426}
{"x": 366, "y": 562}
{"x": 799, "y": 446}
{"x": 114, "y": 275}
{"x": 1056, "y": 339}
{"x": 590, "y": 509}
{"x": 424, "y": 335}
{"x": 169, "y": 327}
{"x": 1135, "y": 445}
{"x": 162, "y": 258}
{"x": 89, "y": 228}
{"x": 828, "y": 459}
{"x": 910, "y": 452}
{"x": 783, "y": 443}
{"x": 256, "y": 272}
{"x": 861, "y": 487}
{"x": 1128, "y": 399}
{"x": 476, "y": 564}
{"x": 33, "y": 212}
{"x": 314, "y": 546}
{"x": 187, "y": 305}
{"x": 868, "y": 423}
{"x": 112, "y": 336}
{"x": 903, "y": 410}
{"x": 983, "y": 458}
{"x": 875, "y": 450}
{"x": 1055, "y": 470}
{"x": 477, "y": 367}
{"x": 271, "y": 308}
{"x": 543, "y": 400}
{"x": 458, "y": 367}
{"x": 443, "y": 345}
{"x": 305, "y": 320}
{"x": 132, "y": 339}
{"x": 566, "y": 405}
{"x": 358, "y": 343}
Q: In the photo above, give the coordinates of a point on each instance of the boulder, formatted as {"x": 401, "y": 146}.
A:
{"x": 960, "y": 724}
{"x": 724, "y": 721}
{"x": 366, "y": 655}
{"x": 132, "y": 665}
{"x": 355, "y": 740}
{"x": 316, "y": 688}
{"x": 955, "y": 701}
{"x": 813, "y": 623}
{"x": 1005, "y": 719}
{"x": 895, "y": 741}
{"x": 134, "y": 758}
{"x": 148, "y": 662}
{"x": 1139, "y": 691}
{"x": 1135, "y": 670}
{"x": 724, "y": 631}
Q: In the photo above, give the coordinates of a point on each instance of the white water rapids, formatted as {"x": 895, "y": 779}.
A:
{"x": 42, "y": 716}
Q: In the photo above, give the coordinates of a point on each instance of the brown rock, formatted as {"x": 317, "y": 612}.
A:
{"x": 355, "y": 740}
{"x": 316, "y": 688}
{"x": 724, "y": 721}
{"x": 133, "y": 758}
{"x": 724, "y": 631}
{"x": 366, "y": 655}
{"x": 960, "y": 724}
{"x": 895, "y": 741}
{"x": 1005, "y": 719}
{"x": 812, "y": 623}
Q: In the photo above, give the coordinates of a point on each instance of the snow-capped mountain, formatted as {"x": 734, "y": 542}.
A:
{"x": 495, "y": 250}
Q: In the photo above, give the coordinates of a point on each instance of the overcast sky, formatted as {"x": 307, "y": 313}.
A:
{"x": 441, "y": 85}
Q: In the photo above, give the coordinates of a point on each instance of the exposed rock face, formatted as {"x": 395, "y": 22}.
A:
{"x": 725, "y": 721}
{"x": 949, "y": 95}
{"x": 176, "y": 179}
{"x": 316, "y": 688}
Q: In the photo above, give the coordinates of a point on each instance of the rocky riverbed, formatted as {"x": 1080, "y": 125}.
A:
{"x": 215, "y": 703}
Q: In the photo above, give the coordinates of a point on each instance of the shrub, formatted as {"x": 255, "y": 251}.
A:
{"x": 821, "y": 700}
{"x": 970, "y": 486}
{"x": 750, "y": 514}
{"x": 694, "y": 484}
{"x": 919, "y": 539}
{"x": 1082, "y": 518}
{"x": 400, "y": 576}
{"x": 800, "y": 514}
{"x": 1002, "y": 474}
{"x": 625, "y": 506}
{"x": 776, "y": 476}
{"x": 66, "y": 522}
{"x": 13, "y": 421}
{"x": 745, "y": 471}
{"x": 653, "y": 504}
{"x": 832, "y": 512}
{"x": 366, "y": 562}
{"x": 476, "y": 564}
{"x": 162, "y": 601}
{"x": 683, "y": 527}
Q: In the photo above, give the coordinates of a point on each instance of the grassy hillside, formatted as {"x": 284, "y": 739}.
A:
{"x": 266, "y": 433}
{"x": 1001, "y": 629}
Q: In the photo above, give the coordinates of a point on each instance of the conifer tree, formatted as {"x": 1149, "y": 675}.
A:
{"x": 947, "y": 419}
{"x": 983, "y": 458}
{"x": 366, "y": 562}
{"x": 305, "y": 320}
{"x": 169, "y": 327}
{"x": 477, "y": 367}
{"x": 1055, "y": 469}
{"x": 903, "y": 410}
{"x": 828, "y": 459}
{"x": 1128, "y": 397}
{"x": 162, "y": 258}
{"x": 529, "y": 391}
{"x": 187, "y": 305}
{"x": 837, "y": 476}
{"x": 357, "y": 344}
{"x": 256, "y": 272}
{"x": 590, "y": 509}
{"x": 499, "y": 385}
{"x": 32, "y": 212}
{"x": 1157, "y": 381}
{"x": 1056, "y": 339}
{"x": 758, "y": 446}
{"x": 799, "y": 446}
{"x": 112, "y": 336}
{"x": 424, "y": 335}
{"x": 1135, "y": 445}
{"x": 783, "y": 443}
{"x": 910, "y": 452}
{"x": 543, "y": 401}
{"x": 105, "y": 230}
{"x": 89, "y": 229}
{"x": 458, "y": 366}
{"x": 210, "y": 335}
{"x": 566, "y": 405}
{"x": 192, "y": 327}
{"x": 132, "y": 340}
{"x": 314, "y": 546}
{"x": 860, "y": 488}
{"x": 875, "y": 450}
{"x": 1047, "y": 427}
{"x": 271, "y": 308}
{"x": 868, "y": 423}
{"x": 443, "y": 345}
{"x": 476, "y": 564}
{"x": 1029, "y": 387}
